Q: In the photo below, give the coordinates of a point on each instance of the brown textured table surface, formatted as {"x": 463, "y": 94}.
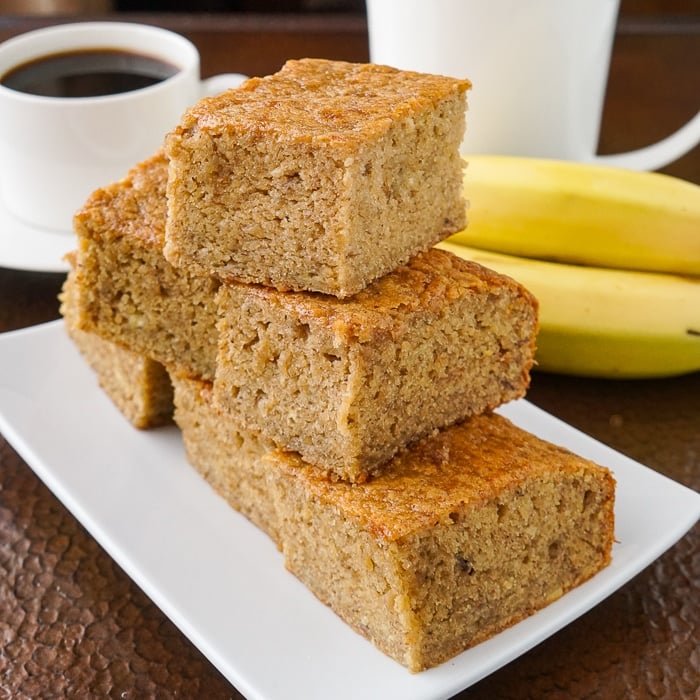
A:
{"x": 72, "y": 624}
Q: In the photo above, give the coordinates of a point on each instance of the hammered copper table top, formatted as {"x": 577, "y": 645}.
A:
{"x": 72, "y": 624}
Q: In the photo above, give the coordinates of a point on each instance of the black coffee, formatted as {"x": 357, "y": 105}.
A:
{"x": 87, "y": 73}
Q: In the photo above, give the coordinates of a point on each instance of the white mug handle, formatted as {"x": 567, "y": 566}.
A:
{"x": 659, "y": 154}
{"x": 219, "y": 83}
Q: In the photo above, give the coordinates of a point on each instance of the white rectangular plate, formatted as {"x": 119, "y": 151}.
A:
{"x": 223, "y": 582}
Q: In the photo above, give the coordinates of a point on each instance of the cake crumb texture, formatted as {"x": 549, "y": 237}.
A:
{"x": 465, "y": 533}
{"x": 322, "y": 177}
{"x": 128, "y": 292}
{"x": 347, "y": 383}
{"x": 226, "y": 455}
{"x": 138, "y": 386}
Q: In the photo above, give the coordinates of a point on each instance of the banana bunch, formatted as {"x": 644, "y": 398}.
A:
{"x": 613, "y": 257}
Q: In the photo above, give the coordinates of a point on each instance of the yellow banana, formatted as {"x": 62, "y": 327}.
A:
{"x": 603, "y": 322}
{"x": 582, "y": 213}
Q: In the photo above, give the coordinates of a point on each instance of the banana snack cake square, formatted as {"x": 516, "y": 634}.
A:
{"x": 347, "y": 383}
{"x": 466, "y": 533}
{"x": 127, "y": 291}
{"x": 138, "y": 386}
{"x": 322, "y": 177}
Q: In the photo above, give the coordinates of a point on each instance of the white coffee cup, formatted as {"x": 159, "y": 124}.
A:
{"x": 539, "y": 70}
{"x": 54, "y": 151}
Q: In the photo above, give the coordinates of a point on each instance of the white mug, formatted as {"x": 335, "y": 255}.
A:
{"x": 539, "y": 70}
{"x": 54, "y": 151}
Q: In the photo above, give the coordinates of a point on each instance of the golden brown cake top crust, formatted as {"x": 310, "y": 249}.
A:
{"x": 426, "y": 283}
{"x": 321, "y": 100}
{"x": 441, "y": 475}
{"x": 133, "y": 206}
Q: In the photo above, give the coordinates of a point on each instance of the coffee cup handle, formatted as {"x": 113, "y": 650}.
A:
{"x": 659, "y": 154}
{"x": 219, "y": 83}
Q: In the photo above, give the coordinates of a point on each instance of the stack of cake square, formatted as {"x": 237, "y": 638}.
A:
{"x": 334, "y": 375}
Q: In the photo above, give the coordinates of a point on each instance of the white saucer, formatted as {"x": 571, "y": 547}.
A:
{"x": 27, "y": 247}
